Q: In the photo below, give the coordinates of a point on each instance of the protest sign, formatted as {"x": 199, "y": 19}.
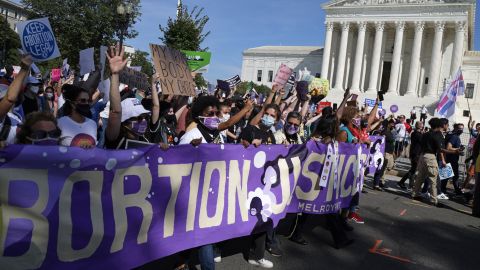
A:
{"x": 370, "y": 103}
{"x": 134, "y": 78}
{"x": 65, "y": 68}
{"x": 38, "y": 40}
{"x": 35, "y": 69}
{"x": 376, "y": 155}
{"x": 77, "y": 209}
{"x": 103, "y": 58}
{"x": 319, "y": 87}
{"x": 171, "y": 67}
{"x": 234, "y": 81}
{"x": 446, "y": 172}
{"x": 323, "y": 104}
{"x": 198, "y": 61}
{"x": 87, "y": 64}
{"x": 283, "y": 74}
{"x": 56, "y": 74}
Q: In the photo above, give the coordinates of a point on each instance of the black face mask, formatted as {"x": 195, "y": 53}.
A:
{"x": 170, "y": 118}
{"x": 84, "y": 110}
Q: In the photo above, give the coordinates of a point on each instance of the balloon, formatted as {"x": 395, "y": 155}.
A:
{"x": 394, "y": 108}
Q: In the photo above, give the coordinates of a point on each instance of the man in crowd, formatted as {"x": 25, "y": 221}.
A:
{"x": 415, "y": 153}
{"x": 454, "y": 144}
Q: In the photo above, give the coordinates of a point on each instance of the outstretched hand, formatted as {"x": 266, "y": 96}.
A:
{"x": 116, "y": 59}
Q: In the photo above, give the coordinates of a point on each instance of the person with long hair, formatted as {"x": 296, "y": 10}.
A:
{"x": 40, "y": 128}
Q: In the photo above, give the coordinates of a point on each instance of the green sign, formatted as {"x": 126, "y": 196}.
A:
{"x": 198, "y": 61}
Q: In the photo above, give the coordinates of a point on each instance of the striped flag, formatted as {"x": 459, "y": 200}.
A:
{"x": 234, "y": 81}
{"x": 446, "y": 104}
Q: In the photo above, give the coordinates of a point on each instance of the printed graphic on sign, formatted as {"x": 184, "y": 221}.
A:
{"x": 198, "y": 61}
{"x": 283, "y": 74}
{"x": 38, "y": 39}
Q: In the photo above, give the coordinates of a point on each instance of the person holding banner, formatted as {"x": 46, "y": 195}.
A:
{"x": 40, "y": 128}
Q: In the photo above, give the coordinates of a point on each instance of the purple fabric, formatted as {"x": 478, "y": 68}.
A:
{"x": 274, "y": 174}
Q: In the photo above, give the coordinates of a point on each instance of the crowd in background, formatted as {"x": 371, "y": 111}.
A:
{"x": 75, "y": 113}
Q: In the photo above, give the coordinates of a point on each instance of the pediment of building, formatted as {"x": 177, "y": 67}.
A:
{"x": 348, "y": 3}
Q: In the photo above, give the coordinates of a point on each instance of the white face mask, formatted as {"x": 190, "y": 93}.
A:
{"x": 34, "y": 89}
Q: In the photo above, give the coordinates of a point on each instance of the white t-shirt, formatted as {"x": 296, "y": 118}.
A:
{"x": 424, "y": 110}
{"x": 60, "y": 101}
{"x": 401, "y": 131}
{"x": 78, "y": 134}
{"x": 194, "y": 134}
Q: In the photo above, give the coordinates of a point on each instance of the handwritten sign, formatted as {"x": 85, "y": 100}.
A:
{"x": 283, "y": 74}
{"x": 134, "y": 78}
{"x": 38, "y": 39}
{"x": 174, "y": 75}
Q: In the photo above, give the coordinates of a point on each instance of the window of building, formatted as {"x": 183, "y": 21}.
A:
{"x": 270, "y": 76}
{"x": 259, "y": 75}
{"x": 469, "y": 90}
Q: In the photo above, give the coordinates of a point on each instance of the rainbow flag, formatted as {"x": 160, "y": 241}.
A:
{"x": 446, "y": 104}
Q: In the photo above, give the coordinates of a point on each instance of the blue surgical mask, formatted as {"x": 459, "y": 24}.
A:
{"x": 268, "y": 121}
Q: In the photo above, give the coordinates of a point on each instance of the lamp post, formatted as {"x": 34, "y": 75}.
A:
{"x": 125, "y": 10}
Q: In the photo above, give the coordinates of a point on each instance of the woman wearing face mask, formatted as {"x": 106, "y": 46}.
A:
{"x": 50, "y": 100}
{"x": 40, "y": 128}
{"x": 77, "y": 127}
{"x": 289, "y": 133}
{"x": 262, "y": 133}
{"x": 31, "y": 102}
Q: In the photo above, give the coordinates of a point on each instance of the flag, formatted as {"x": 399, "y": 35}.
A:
{"x": 234, "y": 81}
{"x": 446, "y": 104}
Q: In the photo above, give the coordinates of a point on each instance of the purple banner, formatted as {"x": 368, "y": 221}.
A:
{"x": 376, "y": 154}
{"x": 70, "y": 208}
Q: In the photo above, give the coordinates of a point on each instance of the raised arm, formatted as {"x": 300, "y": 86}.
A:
{"x": 373, "y": 114}
{"x": 269, "y": 100}
{"x": 155, "y": 100}
{"x": 237, "y": 117}
{"x": 14, "y": 89}
{"x": 342, "y": 106}
{"x": 117, "y": 63}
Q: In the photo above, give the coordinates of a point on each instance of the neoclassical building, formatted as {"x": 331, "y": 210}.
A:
{"x": 407, "y": 48}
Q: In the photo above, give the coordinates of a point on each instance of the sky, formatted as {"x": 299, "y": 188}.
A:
{"x": 238, "y": 25}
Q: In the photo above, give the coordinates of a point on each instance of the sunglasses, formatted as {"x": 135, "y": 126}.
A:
{"x": 83, "y": 101}
{"x": 41, "y": 134}
{"x": 211, "y": 113}
{"x": 293, "y": 124}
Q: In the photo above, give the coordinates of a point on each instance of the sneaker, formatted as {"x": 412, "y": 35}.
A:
{"x": 442, "y": 196}
{"x": 217, "y": 259}
{"x": 356, "y": 218}
{"x": 401, "y": 185}
{"x": 275, "y": 251}
{"x": 262, "y": 263}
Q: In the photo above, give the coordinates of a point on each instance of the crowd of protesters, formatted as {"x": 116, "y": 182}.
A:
{"x": 75, "y": 113}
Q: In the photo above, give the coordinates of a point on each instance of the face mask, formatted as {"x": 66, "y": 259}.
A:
{"x": 170, "y": 118}
{"x": 211, "y": 122}
{"x": 475, "y": 133}
{"x": 84, "y": 110}
{"x": 268, "y": 121}
{"x": 140, "y": 127}
{"x": 49, "y": 95}
{"x": 226, "y": 117}
{"x": 34, "y": 89}
{"x": 364, "y": 123}
{"x": 356, "y": 121}
{"x": 46, "y": 141}
{"x": 459, "y": 131}
{"x": 291, "y": 129}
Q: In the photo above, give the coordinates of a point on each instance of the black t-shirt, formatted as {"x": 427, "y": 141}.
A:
{"x": 162, "y": 132}
{"x": 389, "y": 141}
{"x": 29, "y": 105}
{"x": 455, "y": 141}
{"x": 250, "y": 133}
{"x": 433, "y": 142}
{"x": 416, "y": 143}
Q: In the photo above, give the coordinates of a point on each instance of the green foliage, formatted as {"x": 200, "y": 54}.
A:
{"x": 243, "y": 87}
{"x": 200, "y": 81}
{"x": 142, "y": 59}
{"x": 82, "y": 24}
{"x": 9, "y": 42}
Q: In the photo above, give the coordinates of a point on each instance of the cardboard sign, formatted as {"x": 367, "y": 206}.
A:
{"x": 56, "y": 74}
{"x": 38, "y": 40}
{"x": 283, "y": 74}
{"x": 87, "y": 64}
{"x": 134, "y": 78}
{"x": 174, "y": 75}
{"x": 198, "y": 61}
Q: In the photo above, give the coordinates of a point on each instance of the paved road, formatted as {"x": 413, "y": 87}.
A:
{"x": 407, "y": 235}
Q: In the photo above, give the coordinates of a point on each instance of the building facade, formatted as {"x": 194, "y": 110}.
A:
{"x": 13, "y": 12}
{"x": 407, "y": 48}
{"x": 260, "y": 64}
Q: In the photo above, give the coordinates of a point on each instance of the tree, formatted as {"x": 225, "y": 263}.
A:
{"x": 142, "y": 59}
{"x": 243, "y": 87}
{"x": 186, "y": 32}
{"x": 82, "y": 24}
{"x": 9, "y": 43}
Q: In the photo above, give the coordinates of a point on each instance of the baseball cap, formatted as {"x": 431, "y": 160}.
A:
{"x": 132, "y": 107}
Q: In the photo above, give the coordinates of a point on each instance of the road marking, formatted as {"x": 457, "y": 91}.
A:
{"x": 403, "y": 212}
{"x": 386, "y": 252}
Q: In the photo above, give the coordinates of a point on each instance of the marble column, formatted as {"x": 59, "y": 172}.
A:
{"x": 377, "y": 51}
{"x": 460, "y": 28}
{"x": 326, "y": 49}
{"x": 397, "y": 54}
{"x": 436, "y": 60}
{"x": 415, "y": 59}
{"x": 342, "y": 54}
{"x": 357, "y": 69}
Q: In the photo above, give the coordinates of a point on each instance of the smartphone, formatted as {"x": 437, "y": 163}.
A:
{"x": 380, "y": 96}
{"x": 335, "y": 106}
{"x": 354, "y": 97}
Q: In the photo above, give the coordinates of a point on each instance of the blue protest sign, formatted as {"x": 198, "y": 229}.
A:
{"x": 38, "y": 39}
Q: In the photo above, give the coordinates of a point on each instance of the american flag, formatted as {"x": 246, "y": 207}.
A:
{"x": 234, "y": 81}
{"x": 446, "y": 104}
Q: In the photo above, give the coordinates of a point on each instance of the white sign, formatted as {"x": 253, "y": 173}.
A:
{"x": 38, "y": 39}
{"x": 446, "y": 172}
{"x": 87, "y": 64}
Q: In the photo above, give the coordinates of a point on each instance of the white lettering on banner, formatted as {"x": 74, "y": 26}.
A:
{"x": 324, "y": 208}
{"x": 237, "y": 186}
{"x": 37, "y": 250}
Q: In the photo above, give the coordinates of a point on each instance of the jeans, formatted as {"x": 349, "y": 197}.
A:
{"x": 454, "y": 179}
{"x": 101, "y": 135}
{"x": 271, "y": 241}
{"x": 205, "y": 257}
{"x": 411, "y": 173}
{"x": 258, "y": 250}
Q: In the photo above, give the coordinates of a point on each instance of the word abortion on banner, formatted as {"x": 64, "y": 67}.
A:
{"x": 283, "y": 74}
{"x": 133, "y": 78}
{"x": 198, "y": 61}
{"x": 174, "y": 75}
{"x": 73, "y": 209}
{"x": 38, "y": 40}
{"x": 234, "y": 81}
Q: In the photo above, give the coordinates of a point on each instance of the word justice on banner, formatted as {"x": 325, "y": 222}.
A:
{"x": 174, "y": 74}
{"x": 99, "y": 209}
